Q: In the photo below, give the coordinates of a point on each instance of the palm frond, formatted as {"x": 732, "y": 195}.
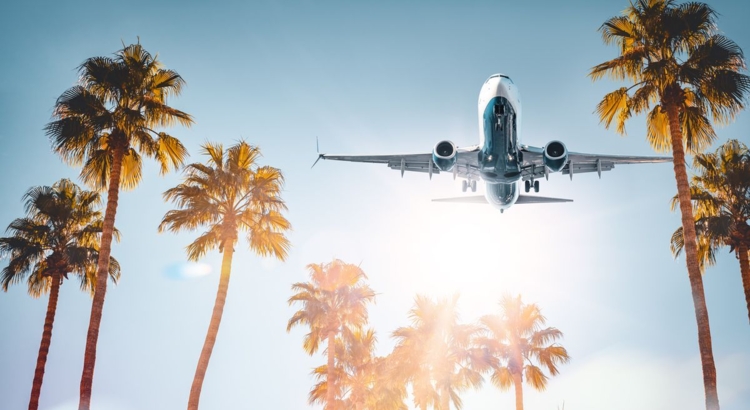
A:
{"x": 535, "y": 377}
{"x": 614, "y": 105}
{"x": 210, "y": 239}
{"x": 502, "y": 378}
{"x": 697, "y": 131}
{"x": 657, "y": 130}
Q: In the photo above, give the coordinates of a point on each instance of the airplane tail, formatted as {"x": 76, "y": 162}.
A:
{"x": 522, "y": 199}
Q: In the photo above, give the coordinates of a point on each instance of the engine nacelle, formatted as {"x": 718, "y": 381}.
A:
{"x": 444, "y": 155}
{"x": 555, "y": 156}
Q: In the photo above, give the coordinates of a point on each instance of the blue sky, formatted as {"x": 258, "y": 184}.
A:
{"x": 384, "y": 77}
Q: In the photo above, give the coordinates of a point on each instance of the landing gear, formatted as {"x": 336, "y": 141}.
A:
{"x": 466, "y": 184}
{"x": 528, "y": 184}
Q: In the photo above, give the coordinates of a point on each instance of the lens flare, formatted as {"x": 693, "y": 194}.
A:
{"x": 187, "y": 270}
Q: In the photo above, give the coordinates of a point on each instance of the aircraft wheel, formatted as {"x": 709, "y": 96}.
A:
{"x": 473, "y": 186}
{"x": 464, "y": 185}
{"x": 536, "y": 186}
{"x": 526, "y": 186}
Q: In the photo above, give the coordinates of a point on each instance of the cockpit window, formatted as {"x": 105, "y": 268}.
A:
{"x": 500, "y": 75}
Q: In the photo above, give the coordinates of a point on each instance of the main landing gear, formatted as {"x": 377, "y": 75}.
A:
{"x": 466, "y": 184}
{"x": 528, "y": 184}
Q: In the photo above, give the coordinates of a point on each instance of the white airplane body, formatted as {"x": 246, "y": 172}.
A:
{"x": 500, "y": 160}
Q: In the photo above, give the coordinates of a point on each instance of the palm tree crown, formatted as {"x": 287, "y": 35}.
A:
{"x": 675, "y": 58}
{"x": 515, "y": 339}
{"x": 436, "y": 355}
{"x": 365, "y": 381}
{"x": 720, "y": 191}
{"x": 113, "y": 115}
{"x": 333, "y": 302}
{"x": 230, "y": 194}
{"x": 59, "y": 235}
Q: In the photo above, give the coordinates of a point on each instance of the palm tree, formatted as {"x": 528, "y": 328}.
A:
{"x": 515, "y": 339}
{"x": 389, "y": 390}
{"x": 105, "y": 124}
{"x": 367, "y": 381}
{"x": 720, "y": 191}
{"x": 229, "y": 194}
{"x": 358, "y": 359}
{"x": 59, "y": 235}
{"x": 685, "y": 73}
{"x": 353, "y": 371}
{"x": 333, "y": 301}
{"x": 436, "y": 355}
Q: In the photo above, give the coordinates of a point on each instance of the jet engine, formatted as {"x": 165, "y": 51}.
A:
{"x": 444, "y": 155}
{"x": 555, "y": 156}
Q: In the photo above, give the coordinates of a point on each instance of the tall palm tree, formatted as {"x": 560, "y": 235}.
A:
{"x": 515, "y": 339}
{"x": 228, "y": 194}
{"x": 58, "y": 236}
{"x": 105, "y": 124}
{"x": 335, "y": 299}
{"x": 436, "y": 354}
{"x": 686, "y": 74}
{"x": 720, "y": 191}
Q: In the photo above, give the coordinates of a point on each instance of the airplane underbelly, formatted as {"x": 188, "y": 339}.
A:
{"x": 498, "y": 156}
{"x": 501, "y": 196}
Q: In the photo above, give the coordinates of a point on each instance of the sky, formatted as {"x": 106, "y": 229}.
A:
{"x": 370, "y": 78}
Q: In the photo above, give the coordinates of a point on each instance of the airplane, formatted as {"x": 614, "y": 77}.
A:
{"x": 500, "y": 160}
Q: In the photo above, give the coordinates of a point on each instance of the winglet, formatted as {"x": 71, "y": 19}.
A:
{"x": 317, "y": 149}
{"x": 316, "y": 161}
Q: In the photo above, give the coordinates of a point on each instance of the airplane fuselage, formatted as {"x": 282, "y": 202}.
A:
{"x": 499, "y": 155}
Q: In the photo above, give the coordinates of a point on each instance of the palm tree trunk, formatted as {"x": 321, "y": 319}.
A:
{"x": 102, "y": 272}
{"x": 517, "y": 383}
{"x": 329, "y": 375}
{"x": 41, "y": 360}
{"x": 213, "y": 327}
{"x": 691, "y": 259}
{"x": 745, "y": 271}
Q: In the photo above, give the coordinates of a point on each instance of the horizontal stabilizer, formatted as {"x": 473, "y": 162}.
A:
{"x": 533, "y": 199}
{"x": 522, "y": 199}
{"x": 474, "y": 199}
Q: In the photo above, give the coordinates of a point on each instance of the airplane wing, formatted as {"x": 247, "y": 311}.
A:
{"x": 466, "y": 162}
{"x": 578, "y": 163}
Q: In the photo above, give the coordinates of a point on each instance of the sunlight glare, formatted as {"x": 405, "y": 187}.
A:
{"x": 187, "y": 270}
